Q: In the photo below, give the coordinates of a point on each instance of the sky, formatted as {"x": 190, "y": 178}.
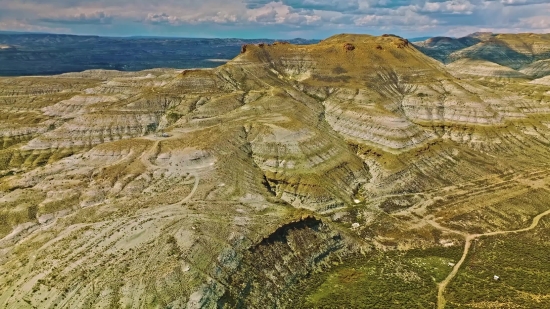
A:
{"x": 284, "y": 19}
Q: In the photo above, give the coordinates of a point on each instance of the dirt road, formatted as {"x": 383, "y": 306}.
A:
{"x": 469, "y": 238}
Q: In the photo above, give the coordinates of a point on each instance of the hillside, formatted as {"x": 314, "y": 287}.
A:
{"x": 527, "y": 53}
{"x": 441, "y": 47}
{"x": 353, "y": 171}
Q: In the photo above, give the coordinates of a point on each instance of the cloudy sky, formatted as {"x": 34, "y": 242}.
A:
{"x": 274, "y": 19}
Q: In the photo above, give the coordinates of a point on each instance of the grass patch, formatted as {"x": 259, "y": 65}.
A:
{"x": 520, "y": 260}
{"x": 383, "y": 280}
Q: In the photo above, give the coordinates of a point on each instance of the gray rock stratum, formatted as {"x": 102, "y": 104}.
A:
{"x": 232, "y": 187}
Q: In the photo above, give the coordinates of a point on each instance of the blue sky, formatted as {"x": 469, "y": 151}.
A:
{"x": 274, "y": 19}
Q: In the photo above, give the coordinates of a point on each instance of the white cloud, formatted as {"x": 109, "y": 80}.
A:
{"x": 535, "y": 23}
{"x": 82, "y": 18}
{"x": 316, "y": 17}
{"x": 23, "y": 25}
{"x": 452, "y": 7}
{"x": 162, "y": 18}
{"x": 279, "y": 13}
{"x": 522, "y": 2}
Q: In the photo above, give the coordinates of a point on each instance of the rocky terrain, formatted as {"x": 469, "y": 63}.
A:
{"x": 353, "y": 173}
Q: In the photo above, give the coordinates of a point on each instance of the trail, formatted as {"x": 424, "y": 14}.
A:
{"x": 195, "y": 186}
{"x": 469, "y": 238}
{"x": 146, "y": 160}
{"x": 147, "y": 155}
{"x": 153, "y": 152}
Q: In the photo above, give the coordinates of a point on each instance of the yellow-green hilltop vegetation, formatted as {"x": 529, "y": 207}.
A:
{"x": 354, "y": 173}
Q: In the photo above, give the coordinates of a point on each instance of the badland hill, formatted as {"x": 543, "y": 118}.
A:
{"x": 507, "y": 55}
{"x": 357, "y": 172}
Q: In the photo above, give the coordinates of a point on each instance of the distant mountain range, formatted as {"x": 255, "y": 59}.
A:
{"x": 502, "y": 55}
{"x": 48, "y": 54}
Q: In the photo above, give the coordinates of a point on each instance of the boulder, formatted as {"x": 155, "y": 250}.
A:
{"x": 349, "y": 47}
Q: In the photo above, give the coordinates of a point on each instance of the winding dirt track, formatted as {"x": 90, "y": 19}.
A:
{"x": 151, "y": 153}
{"x": 195, "y": 186}
{"x": 469, "y": 238}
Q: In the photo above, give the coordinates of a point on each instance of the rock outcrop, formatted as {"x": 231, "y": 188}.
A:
{"x": 349, "y": 47}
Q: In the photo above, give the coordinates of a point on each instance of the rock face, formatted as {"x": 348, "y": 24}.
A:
{"x": 286, "y": 255}
{"x": 402, "y": 43}
{"x": 230, "y": 187}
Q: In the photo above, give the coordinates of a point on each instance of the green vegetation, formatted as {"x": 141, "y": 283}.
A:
{"x": 172, "y": 117}
{"x": 520, "y": 260}
{"x": 382, "y": 280}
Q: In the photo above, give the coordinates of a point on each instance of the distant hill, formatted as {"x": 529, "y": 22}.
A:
{"x": 441, "y": 47}
{"x": 47, "y": 54}
{"x": 528, "y": 53}
{"x": 419, "y": 39}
